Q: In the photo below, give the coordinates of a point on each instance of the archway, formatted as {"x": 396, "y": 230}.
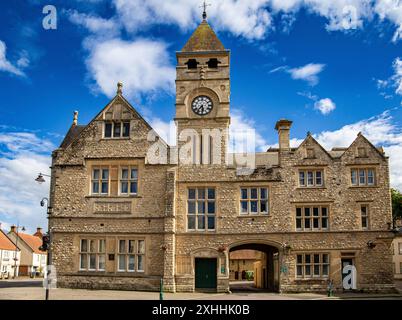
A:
{"x": 254, "y": 266}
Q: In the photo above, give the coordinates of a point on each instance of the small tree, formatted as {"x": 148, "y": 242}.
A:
{"x": 396, "y": 205}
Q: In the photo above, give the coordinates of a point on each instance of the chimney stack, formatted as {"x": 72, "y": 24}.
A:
{"x": 38, "y": 232}
{"x": 283, "y": 128}
{"x": 13, "y": 229}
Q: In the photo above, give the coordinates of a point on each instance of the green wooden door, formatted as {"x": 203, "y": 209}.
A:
{"x": 205, "y": 273}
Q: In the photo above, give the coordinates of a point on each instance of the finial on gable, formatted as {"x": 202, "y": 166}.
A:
{"x": 308, "y": 133}
{"x": 119, "y": 87}
{"x": 75, "y": 119}
{"x": 359, "y": 134}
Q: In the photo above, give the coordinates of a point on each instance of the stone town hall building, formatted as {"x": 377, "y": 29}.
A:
{"x": 122, "y": 220}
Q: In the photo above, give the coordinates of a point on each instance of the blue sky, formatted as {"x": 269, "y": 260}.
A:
{"x": 333, "y": 67}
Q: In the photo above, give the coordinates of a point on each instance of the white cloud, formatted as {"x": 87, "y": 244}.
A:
{"x": 397, "y": 77}
{"x": 342, "y": 14}
{"x": 142, "y": 65}
{"x": 382, "y": 84}
{"x": 391, "y": 10}
{"x": 394, "y": 82}
{"x": 380, "y": 130}
{"x": 280, "y": 68}
{"x": 308, "y": 73}
{"x": 249, "y": 19}
{"x": 286, "y": 5}
{"x": 325, "y": 106}
{"x": 6, "y": 65}
{"x": 243, "y": 134}
{"x": 166, "y": 130}
{"x": 22, "y": 156}
{"x": 97, "y": 25}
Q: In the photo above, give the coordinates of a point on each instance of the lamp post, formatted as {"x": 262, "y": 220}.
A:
{"x": 43, "y": 202}
{"x": 16, "y": 251}
{"x": 40, "y": 179}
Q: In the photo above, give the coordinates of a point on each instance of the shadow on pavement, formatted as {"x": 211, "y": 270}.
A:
{"x": 20, "y": 284}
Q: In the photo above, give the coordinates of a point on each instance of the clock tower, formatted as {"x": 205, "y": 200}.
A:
{"x": 203, "y": 96}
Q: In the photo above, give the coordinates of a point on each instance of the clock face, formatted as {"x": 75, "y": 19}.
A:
{"x": 202, "y": 105}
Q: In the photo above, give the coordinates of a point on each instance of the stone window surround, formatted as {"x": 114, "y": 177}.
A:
{"x": 135, "y": 253}
{"x": 311, "y": 206}
{"x": 115, "y": 253}
{"x": 97, "y": 254}
{"x": 121, "y": 122}
{"x": 258, "y": 213}
{"x": 100, "y": 180}
{"x": 314, "y": 170}
{"x": 91, "y": 164}
{"x": 365, "y": 216}
{"x": 400, "y": 248}
{"x": 206, "y": 209}
{"x": 253, "y": 184}
{"x": 312, "y": 264}
{"x": 129, "y": 180}
{"x": 365, "y": 168}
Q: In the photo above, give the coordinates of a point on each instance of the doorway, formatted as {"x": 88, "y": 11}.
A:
{"x": 345, "y": 262}
{"x": 205, "y": 273}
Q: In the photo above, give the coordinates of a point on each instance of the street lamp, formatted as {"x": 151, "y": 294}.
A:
{"x": 40, "y": 178}
{"x": 45, "y": 201}
{"x": 16, "y": 250}
{"x": 49, "y": 255}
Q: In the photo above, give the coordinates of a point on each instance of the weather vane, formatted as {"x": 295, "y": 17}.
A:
{"x": 205, "y": 5}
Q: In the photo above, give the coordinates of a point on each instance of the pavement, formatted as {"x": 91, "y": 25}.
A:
{"x": 31, "y": 289}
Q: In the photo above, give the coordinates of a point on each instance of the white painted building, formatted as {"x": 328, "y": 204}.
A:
{"x": 33, "y": 260}
{"x": 8, "y": 253}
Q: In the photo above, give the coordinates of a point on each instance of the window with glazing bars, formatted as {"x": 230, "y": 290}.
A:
{"x": 201, "y": 209}
{"x": 128, "y": 180}
{"x": 253, "y": 201}
{"x": 100, "y": 181}
{"x": 312, "y": 265}
{"x": 364, "y": 216}
{"x": 92, "y": 254}
{"x": 131, "y": 255}
{"x": 117, "y": 129}
{"x": 362, "y": 177}
{"x": 311, "y": 178}
{"x": 311, "y": 218}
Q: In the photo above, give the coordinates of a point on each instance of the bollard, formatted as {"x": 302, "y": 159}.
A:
{"x": 161, "y": 290}
{"x": 330, "y": 288}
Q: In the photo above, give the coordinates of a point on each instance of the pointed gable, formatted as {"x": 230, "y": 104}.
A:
{"x": 33, "y": 242}
{"x": 311, "y": 152}
{"x": 362, "y": 151}
{"x": 6, "y": 243}
{"x": 203, "y": 39}
{"x": 90, "y": 142}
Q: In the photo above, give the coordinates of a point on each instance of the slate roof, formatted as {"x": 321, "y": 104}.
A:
{"x": 72, "y": 133}
{"x": 203, "y": 39}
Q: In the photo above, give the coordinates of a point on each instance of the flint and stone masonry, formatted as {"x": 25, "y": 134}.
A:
{"x": 122, "y": 220}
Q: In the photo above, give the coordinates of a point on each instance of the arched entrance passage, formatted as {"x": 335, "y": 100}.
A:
{"x": 254, "y": 266}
